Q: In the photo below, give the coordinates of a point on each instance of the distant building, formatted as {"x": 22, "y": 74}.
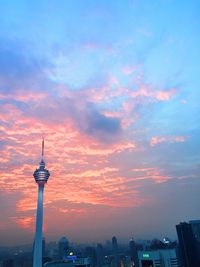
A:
{"x": 59, "y": 264}
{"x": 63, "y": 246}
{"x": 43, "y": 247}
{"x": 187, "y": 245}
{"x": 116, "y": 262}
{"x": 133, "y": 253}
{"x": 91, "y": 253}
{"x": 125, "y": 261}
{"x": 8, "y": 263}
{"x": 79, "y": 262}
{"x": 100, "y": 255}
{"x": 158, "y": 258}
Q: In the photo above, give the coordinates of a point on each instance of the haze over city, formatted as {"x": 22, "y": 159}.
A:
{"x": 113, "y": 87}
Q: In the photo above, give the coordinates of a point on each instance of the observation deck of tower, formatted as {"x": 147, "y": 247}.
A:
{"x": 41, "y": 176}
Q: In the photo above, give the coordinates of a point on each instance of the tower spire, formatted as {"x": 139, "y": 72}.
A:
{"x": 42, "y": 148}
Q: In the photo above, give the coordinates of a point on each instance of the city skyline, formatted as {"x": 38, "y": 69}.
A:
{"x": 113, "y": 87}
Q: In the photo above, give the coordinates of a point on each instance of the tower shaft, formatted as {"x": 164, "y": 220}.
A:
{"x": 37, "y": 258}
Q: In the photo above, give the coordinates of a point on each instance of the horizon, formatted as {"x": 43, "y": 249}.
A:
{"x": 72, "y": 243}
{"x": 113, "y": 88}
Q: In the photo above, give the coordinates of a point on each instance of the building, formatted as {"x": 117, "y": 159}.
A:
{"x": 187, "y": 245}
{"x": 116, "y": 262}
{"x": 125, "y": 261}
{"x": 91, "y": 253}
{"x": 78, "y": 262}
{"x": 8, "y": 263}
{"x": 195, "y": 224}
{"x": 158, "y": 258}
{"x": 100, "y": 255}
{"x": 43, "y": 247}
{"x": 63, "y": 246}
{"x": 133, "y": 253}
{"x": 195, "y": 229}
{"x": 41, "y": 176}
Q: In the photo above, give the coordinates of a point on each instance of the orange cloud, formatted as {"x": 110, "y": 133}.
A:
{"x": 83, "y": 170}
{"x": 25, "y": 204}
{"x": 27, "y": 222}
{"x": 165, "y": 95}
{"x": 180, "y": 139}
{"x": 75, "y": 160}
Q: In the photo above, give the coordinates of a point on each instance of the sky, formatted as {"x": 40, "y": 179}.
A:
{"x": 114, "y": 89}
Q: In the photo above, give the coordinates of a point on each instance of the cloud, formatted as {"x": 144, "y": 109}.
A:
{"x": 23, "y": 96}
{"x": 82, "y": 114}
{"x": 165, "y": 95}
{"x": 27, "y": 222}
{"x": 22, "y": 75}
{"x": 103, "y": 127}
{"x": 127, "y": 70}
{"x": 147, "y": 91}
{"x": 155, "y": 140}
{"x": 96, "y": 164}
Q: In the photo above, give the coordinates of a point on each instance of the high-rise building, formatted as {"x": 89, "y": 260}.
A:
{"x": 195, "y": 224}
{"x": 115, "y": 252}
{"x": 8, "y": 263}
{"x": 100, "y": 255}
{"x": 91, "y": 253}
{"x": 133, "y": 253}
{"x": 41, "y": 176}
{"x": 43, "y": 247}
{"x": 158, "y": 258}
{"x": 63, "y": 246}
{"x": 188, "y": 252}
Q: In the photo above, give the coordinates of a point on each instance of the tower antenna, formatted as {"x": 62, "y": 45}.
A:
{"x": 43, "y": 148}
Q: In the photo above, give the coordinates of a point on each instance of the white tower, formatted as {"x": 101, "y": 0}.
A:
{"x": 41, "y": 176}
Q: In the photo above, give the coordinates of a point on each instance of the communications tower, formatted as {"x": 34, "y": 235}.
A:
{"x": 41, "y": 176}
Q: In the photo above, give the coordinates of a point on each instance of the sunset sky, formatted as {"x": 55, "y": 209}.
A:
{"x": 114, "y": 88}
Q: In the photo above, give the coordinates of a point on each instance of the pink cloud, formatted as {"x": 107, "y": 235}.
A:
{"x": 150, "y": 173}
{"x": 27, "y": 222}
{"x": 148, "y": 92}
{"x": 127, "y": 70}
{"x": 180, "y": 139}
{"x": 71, "y": 211}
{"x": 74, "y": 159}
{"x": 165, "y": 95}
{"x": 25, "y": 96}
{"x": 155, "y": 140}
{"x": 92, "y": 171}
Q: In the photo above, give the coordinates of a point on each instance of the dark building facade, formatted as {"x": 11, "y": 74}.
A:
{"x": 195, "y": 224}
{"x": 100, "y": 255}
{"x": 187, "y": 245}
{"x": 8, "y": 263}
{"x": 63, "y": 246}
{"x": 116, "y": 262}
{"x": 133, "y": 253}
